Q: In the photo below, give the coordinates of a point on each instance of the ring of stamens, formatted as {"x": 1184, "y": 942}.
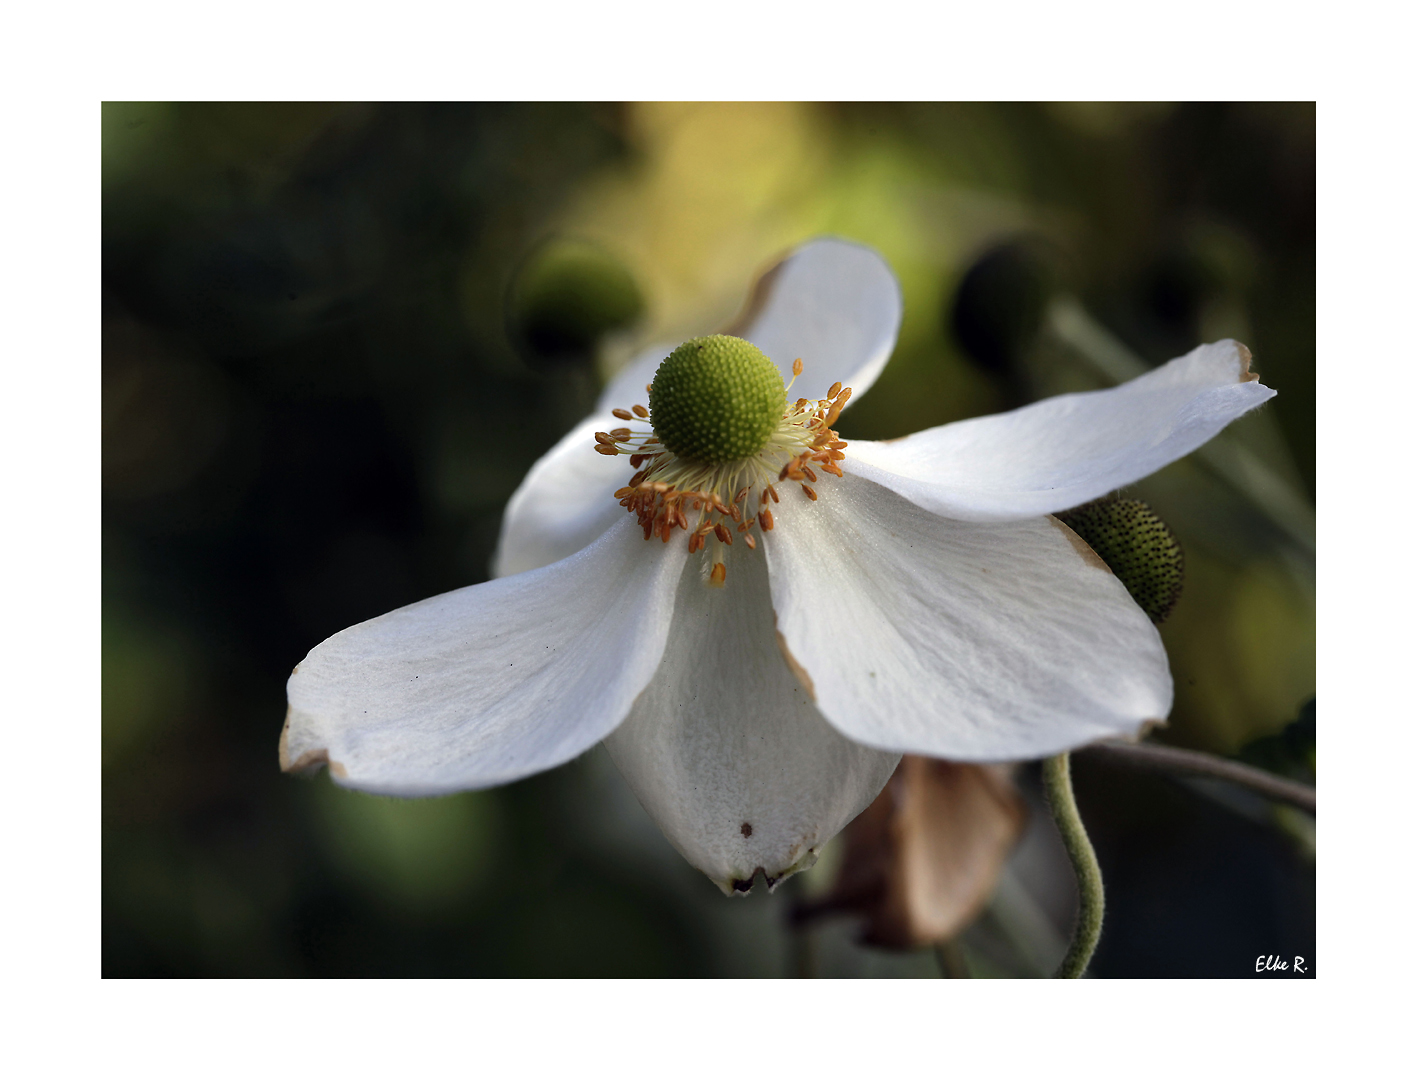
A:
{"x": 713, "y": 504}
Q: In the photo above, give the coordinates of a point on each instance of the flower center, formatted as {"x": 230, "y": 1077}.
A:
{"x": 716, "y": 399}
{"x": 723, "y": 438}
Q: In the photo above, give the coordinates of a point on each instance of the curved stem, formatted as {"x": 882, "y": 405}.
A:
{"x": 1058, "y": 787}
{"x": 1174, "y": 759}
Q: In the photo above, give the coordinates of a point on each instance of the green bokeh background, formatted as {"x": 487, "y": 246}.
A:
{"x": 336, "y": 336}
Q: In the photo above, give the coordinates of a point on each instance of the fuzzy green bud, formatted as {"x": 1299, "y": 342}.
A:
{"x": 1137, "y": 546}
{"x": 716, "y": 399}
{"x": 566, "y": 297}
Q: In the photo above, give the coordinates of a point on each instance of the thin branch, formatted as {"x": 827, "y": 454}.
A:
{"x": 1173, "y": 759}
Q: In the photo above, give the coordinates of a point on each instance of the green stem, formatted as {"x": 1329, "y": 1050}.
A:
{"x": 1058, "y": 787}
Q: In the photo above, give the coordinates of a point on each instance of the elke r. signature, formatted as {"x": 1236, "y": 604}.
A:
{"x": 1274, "y": 963}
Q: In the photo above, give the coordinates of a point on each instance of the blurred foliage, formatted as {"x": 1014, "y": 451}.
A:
{"x": 1290, "y": 752}
{"x": 336, "y": 336}
{"x": 999, "y": 306}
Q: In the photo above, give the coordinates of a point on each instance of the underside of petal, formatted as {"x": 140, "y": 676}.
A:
{"x": 959, "y": 640}
{"x": 1070, "y": 449}
{"x": 490, "y": 683}
{"x": 724, "y": 748}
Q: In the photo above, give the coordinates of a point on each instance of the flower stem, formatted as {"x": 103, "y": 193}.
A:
{"x": 1058, "y": 787}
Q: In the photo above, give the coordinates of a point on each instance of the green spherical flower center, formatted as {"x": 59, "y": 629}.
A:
{"x": 1137, "y": 546}
{"x": 716, "y": 399}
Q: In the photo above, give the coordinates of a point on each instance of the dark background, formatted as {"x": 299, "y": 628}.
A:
{"x": 336, "y": 336}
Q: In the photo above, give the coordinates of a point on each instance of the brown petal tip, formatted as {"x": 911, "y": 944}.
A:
{"x": 1081, "y": 546}
{"x": 1246, "y": 375}
{"x": 309, "y": 761}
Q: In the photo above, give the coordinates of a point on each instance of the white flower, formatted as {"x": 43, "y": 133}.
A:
{"x": 921, "y": 602}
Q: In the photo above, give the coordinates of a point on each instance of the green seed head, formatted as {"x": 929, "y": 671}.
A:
{"x": 1137, "y": 547}
{"x": 716, "y": 399}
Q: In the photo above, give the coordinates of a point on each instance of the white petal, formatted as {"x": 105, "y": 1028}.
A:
{"x": 831, "y": 303}
{"x": 1070, "y": 449}
{"x": 724, "y": 749}
{"x": 565, "y": 502}
{"x": 490, "y": 683}
{"x": 960, "y": 640}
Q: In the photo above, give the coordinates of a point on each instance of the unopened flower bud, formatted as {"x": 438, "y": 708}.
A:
{"x": 566, "y": 297}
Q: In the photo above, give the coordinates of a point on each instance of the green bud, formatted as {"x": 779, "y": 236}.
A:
{"x": 567, "y": 296}
{"x": 716, "y": 399}
{"x": 1137, "y": 546}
